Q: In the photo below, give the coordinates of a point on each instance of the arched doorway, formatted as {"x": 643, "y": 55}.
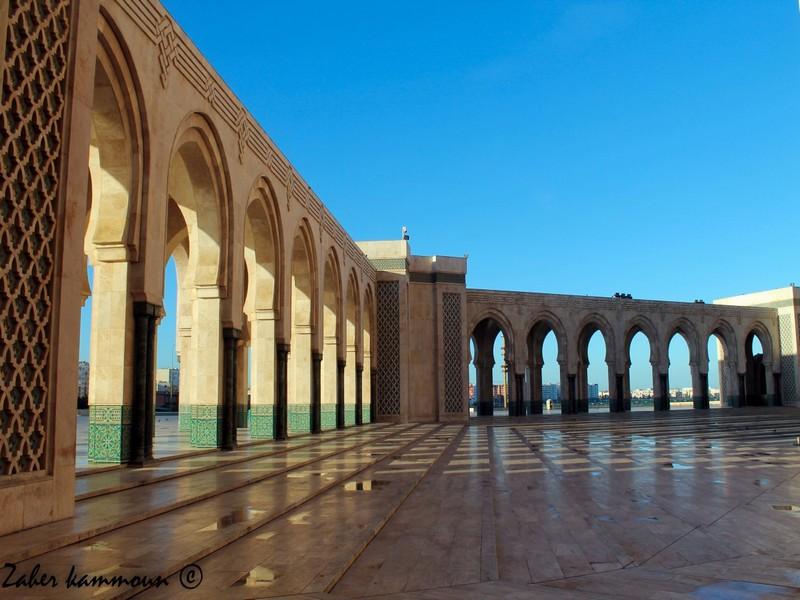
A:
{"x": 331, "y": 323}
{"x": 491, "y": 359}
{"x": 262, "y": 243}
{"x": 546, "y": 371}
{"x": 595, "y": 379}
{"x": 639, "y": 371}
{"x": 300, "y": 403}
{"x": 679, "y": 375}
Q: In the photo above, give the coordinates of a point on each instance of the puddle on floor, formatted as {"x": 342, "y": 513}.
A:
{"x": 258, "y": 577}
{"x": 366, "y": 485}
{"x": 240, "y": 515}
{"x": 677, "y": 466}
{"x": 740, "y": 589}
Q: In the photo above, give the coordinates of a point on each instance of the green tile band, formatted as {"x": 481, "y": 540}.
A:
{"x": 206, "y": 430}
{"x": 328, "y": 416}
{"x": 109, "y": 433}
{"x": 262, "y": 422}
{"x": 365, "y": 414}
{"x": 299, "y": 418}
{"x": 349, "y": 414}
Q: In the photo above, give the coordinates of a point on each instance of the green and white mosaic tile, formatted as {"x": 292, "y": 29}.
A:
{"x": 109, "y": 433}
{"x": 206, "y": 430}
{"x": 262, "y": 422}
{"x": 328, "y": 416}
{"x": 365, "y": 414}
{"x": 349, "y": 414}
{"x": 299, "y": 418}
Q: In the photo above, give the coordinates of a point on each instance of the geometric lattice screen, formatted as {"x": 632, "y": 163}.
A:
{"x": 388, "y": 322}
{"x": 31, "y": 123}
{"x": 786, "y": 326}
{"x": 451, "y": 331}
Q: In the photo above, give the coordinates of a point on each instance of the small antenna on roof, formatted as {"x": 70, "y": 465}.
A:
{"x": 404, "y": 230}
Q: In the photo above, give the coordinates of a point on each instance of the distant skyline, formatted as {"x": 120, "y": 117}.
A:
{"x": 568, "y": 147}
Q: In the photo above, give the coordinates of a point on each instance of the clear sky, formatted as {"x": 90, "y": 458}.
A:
{"x": 649, "y": 147}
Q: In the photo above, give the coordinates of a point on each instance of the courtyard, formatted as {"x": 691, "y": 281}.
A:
{"x": 695, "y": 504}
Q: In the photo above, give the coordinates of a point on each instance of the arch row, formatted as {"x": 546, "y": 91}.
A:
{"x": 274, "y": 312}
{"x": 748, "y": 373}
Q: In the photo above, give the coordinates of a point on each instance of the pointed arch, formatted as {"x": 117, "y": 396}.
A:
{"x": 689, "y": 333}
{"x": 118, "y": 150}
{"x": 198, "y": 184}
{"x": 643, "y": 324}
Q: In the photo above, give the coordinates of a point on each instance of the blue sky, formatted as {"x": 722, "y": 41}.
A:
{"x": 648, "y": 147}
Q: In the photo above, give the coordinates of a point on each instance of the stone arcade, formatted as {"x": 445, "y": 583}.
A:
{"x": 121, "y": 146}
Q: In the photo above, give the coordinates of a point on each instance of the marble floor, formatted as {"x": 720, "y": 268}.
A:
{"x": 687, "y": 504}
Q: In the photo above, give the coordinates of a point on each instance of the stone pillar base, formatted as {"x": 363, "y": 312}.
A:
{"x": 109, "y": 433}
{"x": 206, "y": 429}
{"x": 366, "y": 414}
{"x": 262, "y": 423}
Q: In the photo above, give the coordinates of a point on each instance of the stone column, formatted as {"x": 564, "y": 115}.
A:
{"x": 661, "y": 399}
{"x": 316, "y": 392}
{"x": 145, "y": 316}
{"x": 373, "y": 390}
{"x": 582, "y": 399}
{"x": 769, "y": 383}
{"x": 776, "y": 388}
{"x": 185, "y": 370}
{"x": 280, "y": 409}
{"x": 519, "y": 393}
{"x": 207, "y": 407}
{"x": 230, "y": 371}
{"x": 350, "y": 387}
{"x": 299, "y": 407}
{"x": 328, "y": 403}
{"x": 699, "y": 388}
{"x": 242, "y": 403}
{"x": 483, "y": 368}
{"x": 111, "y": 365}
{"x": 366, "y": 390}
{"x": 263, "y": 375}
{"x": 537, "y": 404}
{"x": 570, "y": 401}
{"x": 340, "y": 366}
{"x": 742, "y": 389}
{"x": 618, "y": 404}
{"x": 359, "y": 392}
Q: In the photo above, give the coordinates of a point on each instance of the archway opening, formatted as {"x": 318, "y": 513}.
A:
{"x": 544, "y": 396}
{"x": 256, "y": 409}
{"x": 679, "y": 375}
{"x": 351, "y": 348}
{"x": 756, "y": 373}
{"x": 331, "y": 298}
{"x": 639, "y": 384}
{"x": 597, "y": 383}
{"x": 719, "y": 378}
{"x": 299, "y": 399}
{"x": 491, "y": 355}
{"x": 168, "y": 435}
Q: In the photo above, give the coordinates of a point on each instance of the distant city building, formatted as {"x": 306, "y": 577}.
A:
{"x": 168, "y": 380}
{"x": 594, "y": 390}
{"x": 83, "y": 383}
{"x": 499, "y": 390}
{"x": 551, "y": 391}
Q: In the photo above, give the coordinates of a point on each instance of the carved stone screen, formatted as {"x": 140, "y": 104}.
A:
{"x": 451, "y": 328}
{"x": 388, "y": 309}
{"x": 31, "y": 123}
